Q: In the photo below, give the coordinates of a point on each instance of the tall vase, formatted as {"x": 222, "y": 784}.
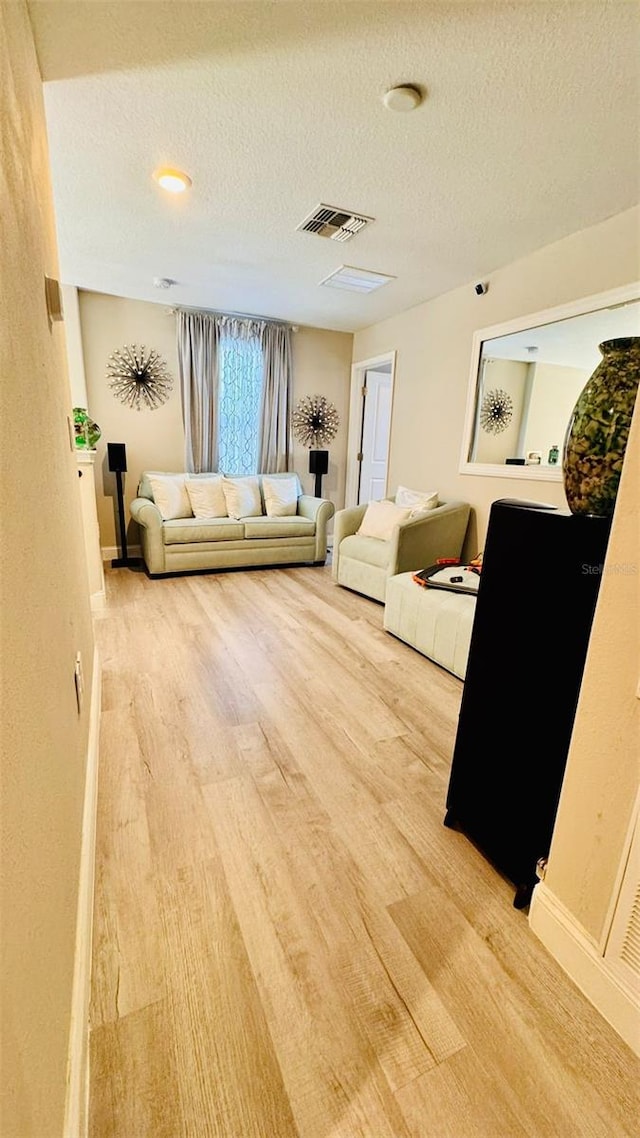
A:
{"x": 598, "y": 429}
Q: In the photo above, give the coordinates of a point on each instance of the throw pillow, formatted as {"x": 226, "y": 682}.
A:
{"x": 418, "y": 500}
{"x": 170, "y": 495}
{"x": 280, "y": 496}
{"x": 381, "y": 518}
{"x": 207, "y": 496}
{"x": 242, "y": 496}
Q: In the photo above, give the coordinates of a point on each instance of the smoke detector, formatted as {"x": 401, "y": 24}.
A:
{"x": 334, "y": 223}
{"x": 405, "y": 98}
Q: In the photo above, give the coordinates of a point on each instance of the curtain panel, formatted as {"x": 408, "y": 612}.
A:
{"x": 198, "y": 336}
{"x": 274, "y": 454}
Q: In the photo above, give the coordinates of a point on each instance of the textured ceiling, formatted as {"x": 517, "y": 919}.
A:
{"x": 530, "y": 130}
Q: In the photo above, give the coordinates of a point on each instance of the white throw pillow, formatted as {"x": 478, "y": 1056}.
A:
{"x": 242, "y": 496}
{"x": 170, "y": 495}
{"x": 207, "y": 496}
{"x": 381, "y": 518}
{"x": 280, "y": 496}
{"x": 418, "y": 500}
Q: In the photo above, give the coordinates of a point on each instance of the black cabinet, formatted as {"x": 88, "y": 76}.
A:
{"x": 541, "y": 573}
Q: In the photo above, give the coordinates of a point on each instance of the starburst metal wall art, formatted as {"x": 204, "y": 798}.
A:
{"x": 496, "y": 411}
{"x": 315, "y": 421}
{"x": 139, "y": 377}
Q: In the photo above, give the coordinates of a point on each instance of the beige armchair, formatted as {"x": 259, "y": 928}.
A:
{"x": 365, "y": 564}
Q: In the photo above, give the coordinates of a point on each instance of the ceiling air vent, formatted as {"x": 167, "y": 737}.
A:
{"x": 337, "y": 224}
{"x": 356, "y": 280}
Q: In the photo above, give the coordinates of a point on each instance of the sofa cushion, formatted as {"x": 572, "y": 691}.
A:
{"x": 243, "y": 496}
{"x": 170, "y": 495}
{"x": 368, "y": 549}
{"x": 184, "y": 530}
{"x": 144, "y": 485}
{"x": 207, "y": 496}
{"x": 280, "y": 496}
{"x": 381, "y": 518}
{"x": 279, "y": 527}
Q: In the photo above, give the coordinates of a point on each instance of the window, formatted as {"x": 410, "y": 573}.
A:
{"x": 239, "y": 399}
{"x": 235, "y": 383}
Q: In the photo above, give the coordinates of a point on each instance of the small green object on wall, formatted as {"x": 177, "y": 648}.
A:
{"x": 86, "y": 431}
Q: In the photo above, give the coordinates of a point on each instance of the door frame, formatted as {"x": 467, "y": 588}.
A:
{"x": 356, "y": 415}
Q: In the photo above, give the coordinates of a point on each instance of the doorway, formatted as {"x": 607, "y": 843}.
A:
{"x": 369, "y": 429}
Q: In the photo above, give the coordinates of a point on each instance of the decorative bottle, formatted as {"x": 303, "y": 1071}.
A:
{"x": 598, "y": 429}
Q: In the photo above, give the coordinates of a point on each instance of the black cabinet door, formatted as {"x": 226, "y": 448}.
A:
{"x": 540, "y": 578}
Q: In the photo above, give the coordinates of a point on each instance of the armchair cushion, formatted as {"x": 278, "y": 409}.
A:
{"x": 381, "y": 518}
{"x": 370, "y": 550}
{"x": 418, "y": 500}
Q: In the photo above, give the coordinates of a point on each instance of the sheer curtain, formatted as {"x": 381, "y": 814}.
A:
{"x": 239, "y": 396}
{"x": 236, "y": 384}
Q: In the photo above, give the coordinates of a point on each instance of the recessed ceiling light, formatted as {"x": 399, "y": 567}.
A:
{"x": 175, "y": 181}
{"x": 405, "y": 98}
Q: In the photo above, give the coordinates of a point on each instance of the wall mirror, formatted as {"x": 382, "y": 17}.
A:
{"x": 525, "y": 378}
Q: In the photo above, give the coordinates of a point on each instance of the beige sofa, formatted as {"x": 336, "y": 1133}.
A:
{"x": 187, "y": 544}
{"x": 365, "y": 564}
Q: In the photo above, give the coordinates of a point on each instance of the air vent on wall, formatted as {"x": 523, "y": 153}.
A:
{"x": 356, "y": 280}
{"x": 337, "y": 224}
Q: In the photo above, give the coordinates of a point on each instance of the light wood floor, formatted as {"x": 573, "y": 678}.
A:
{"x": 288, "y": 941}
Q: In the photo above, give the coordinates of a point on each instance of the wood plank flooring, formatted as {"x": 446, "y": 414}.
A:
{"x": 288, "y": 942}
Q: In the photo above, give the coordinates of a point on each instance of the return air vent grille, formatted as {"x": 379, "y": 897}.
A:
{"x": 356, "y": 280}
{"x": 336, "y": 224}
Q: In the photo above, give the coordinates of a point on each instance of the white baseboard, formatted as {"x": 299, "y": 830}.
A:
{"x": 109, "y": 552}
{"x": 98, "y": 601}
{"x": 582, "y": 960}
{"x": 77, "y": 1102}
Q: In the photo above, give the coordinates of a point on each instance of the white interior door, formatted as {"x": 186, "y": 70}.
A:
{"x": 376, "y": 423}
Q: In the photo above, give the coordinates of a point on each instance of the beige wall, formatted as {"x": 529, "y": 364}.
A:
{"x": 155, "y": 439}
{"x": 433, "y": 344}
{"x": 45, "y": 621}
{"x": 554, "y": 392}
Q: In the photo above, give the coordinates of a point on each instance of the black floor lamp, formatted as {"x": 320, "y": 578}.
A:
{"x": 117, "y": 458}
{"x": 318, "y": 465}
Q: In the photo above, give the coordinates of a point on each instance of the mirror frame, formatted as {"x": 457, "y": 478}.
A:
{"x": 521, "y": 324}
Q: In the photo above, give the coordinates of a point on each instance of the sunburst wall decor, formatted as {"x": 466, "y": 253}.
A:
{"x": 496, "y": 411}
{"x": 139, "y": 377}
{"x": 315, "y": 421}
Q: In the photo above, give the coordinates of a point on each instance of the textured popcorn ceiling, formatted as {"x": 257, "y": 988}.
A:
{"x": 529, "y": 131}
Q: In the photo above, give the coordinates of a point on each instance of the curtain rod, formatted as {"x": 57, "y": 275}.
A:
{"x": 239, "y": 315}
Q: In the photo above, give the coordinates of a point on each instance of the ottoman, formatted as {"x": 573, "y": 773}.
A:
{"x": 435, "y": 622}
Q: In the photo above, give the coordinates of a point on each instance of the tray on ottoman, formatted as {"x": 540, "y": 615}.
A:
{"x": 436, "y": 622}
